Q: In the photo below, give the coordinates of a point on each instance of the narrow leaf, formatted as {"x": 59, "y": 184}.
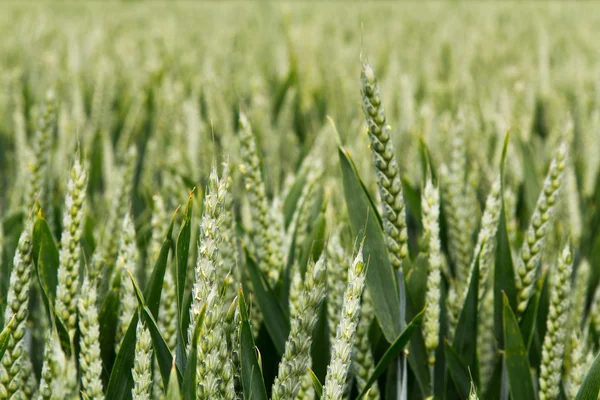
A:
{"x": 320, "y": 349}
{"x": 46, "y": 263}
{"x": 5, "y": 336}
{"x": 365, "y": 221}
{"x": 416, "y": 281}
{"x": 183, "y": 249}
{"x": 155, "y": 283}
{"x": 529, "y": 318}
{"x": 531, "y": 187}
{"x": 45, "y": 257}
{"x": 417, "y": 354}
{"x": 189, "y": 377}
{"x": 504, "y": 274}
{"x": 316, "y": 383}
{"x": 516, "y": 356}
{"x": 108, "y": 319}
{"x": 465, "y": 336}
{"x": 290, "y": 203}
{"x": 252, "y": 380}
{"x": 458, "y": 371}
{"x": 591, "y": 384}
{"x": 173, "y": 392}
{"x": 277, "y": 323}
{"x": 161, "y": 349}
{"x": 412, "y": 200}
{"x": 393, "y": 351}
{"x": 121, "y": 380}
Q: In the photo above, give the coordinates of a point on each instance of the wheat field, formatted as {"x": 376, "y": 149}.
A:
{"x": 299, "y": 200}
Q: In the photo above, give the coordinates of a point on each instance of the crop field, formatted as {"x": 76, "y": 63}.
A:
{"x": 299, "y": 201}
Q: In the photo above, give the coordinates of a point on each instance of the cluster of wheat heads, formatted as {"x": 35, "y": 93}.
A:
{"x": 182, "y": 220}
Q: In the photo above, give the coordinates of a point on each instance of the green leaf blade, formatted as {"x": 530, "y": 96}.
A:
{"x": 365, "y": 221}
{"x": 459, "y": 372}
{"x": 465, "y": 336}
{"x": 393, "y": 351}
{"x": 277, "y": 323}
{"x": 516, "y": 356}
{"x": 591, "y": 384}
{"x": 252, "y": 380}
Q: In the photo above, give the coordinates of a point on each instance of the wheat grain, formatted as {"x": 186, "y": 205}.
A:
{"x": 555, "y": 339}
{"x": 527, "y": 267}
{"x": 388, "y": 173}
{"x": 341, "y": 353}
{"x": 12, "y": 371}
{"x": 297, "y": 348}
{"x": 68, "y": 269}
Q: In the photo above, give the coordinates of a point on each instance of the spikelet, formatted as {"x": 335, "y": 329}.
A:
{"x": 96, "y": 265}
{"x": 49, "y": 368}
{"x": 232, "y": 334}
{"x": 363, "y": 362}
{"x": 473, "y": 392}
{"x": 581, "y": 359}
{"x": 486, "y": 239}
{"x": 142, "y": 365}
{"x": 486, "y": 341}
{"x": 471, "y": 203}
{"x": 555, "y": 339}
{"x": 292, "y": 366}
{"x": 341, "y": 353}
{"x": 2, "y": 250}
{"x": 510, "y": 208}
{"x": 303, "y": 224}
{"x": 228, "y": 270}
{"x": 126, "y": 259}
{"x": 208, "y": 248}
{"x": 306, "y": 391}
{"x": 98, "y": 98}
{"x": 59, "y": 373}
{"x": 306, "y": 193}
{"x": 89, "y": 342}
{"x": 453, "y": 304}
{"x": 296, "y": 287}
{"x": 528, "y": 263}
{"x": 337, "y": 273}
{"x": 68, "y": 269}
{"x": 594, "y": 316}
{"x": 12, "y": 371}
{"x": 590, "y": 175}
{"x": 214, "y": 373}
{"x": 266, "y": 232}
{"x": 388, "y": 174}
{"x": 571, "y": 203}
{"x": 430, "y": 206}
{"x": 29, "y": 380}
{"x": 38, "y": 168}
{"x": 18, "y": 194}
{"x": 121, "y": 195}
{"x": 159, "y": 223}
{"x": 579, "y": 295}
{"x": 456, "y": 208}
